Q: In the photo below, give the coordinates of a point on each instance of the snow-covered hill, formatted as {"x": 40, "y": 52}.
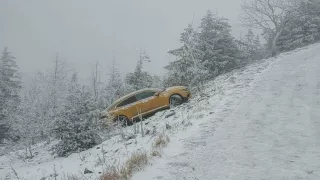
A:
{"x": 268, "y": 130}
{"x": 258, "y": 122}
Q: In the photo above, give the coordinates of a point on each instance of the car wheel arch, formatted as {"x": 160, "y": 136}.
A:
{"x": 128, "y": 122}
{"x": 174, "y": 94}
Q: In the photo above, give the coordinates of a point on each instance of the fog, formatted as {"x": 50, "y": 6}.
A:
{"x": 87, "y": 31}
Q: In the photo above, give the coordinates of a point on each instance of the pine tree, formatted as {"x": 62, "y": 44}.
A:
{"x": 76, "y": 129}
{"x": 38, "y": 103}
{"x": 251, "y": 47}
{"x": 249, "y": 37}
{"x": 203, "y": 54}
{"x": 257, "y": 42}
{"x": 29, "y": 124}
{"x": 43, "y": 103}
{"x": 114, "y": 86}
{"x": 259, "y": 51}
{"x": 304, "y": 28}
{"x": 54, "y": 88}
{"x": 10, "y": 86}
{"x": 139, "y": 79}
{"x": 187, "y": 69}
{"x": 218, "y": 45}
{"x": 57, "y": 78}
{"x": 157, "y": 81}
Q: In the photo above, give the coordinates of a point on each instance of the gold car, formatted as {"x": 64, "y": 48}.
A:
{"x": 144, "y": 102}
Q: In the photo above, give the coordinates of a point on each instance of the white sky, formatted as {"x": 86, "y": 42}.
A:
{"x": 84, "y": 31}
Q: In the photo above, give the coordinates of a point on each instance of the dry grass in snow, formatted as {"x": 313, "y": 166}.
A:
{"x": 136, "y": 162}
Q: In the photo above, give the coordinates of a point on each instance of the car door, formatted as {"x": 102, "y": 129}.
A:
{"x": 128, "y": 106}
{"x": 156, "y": 102}
{"x": 145, "y": 101}
{"x": 159, "y": 101}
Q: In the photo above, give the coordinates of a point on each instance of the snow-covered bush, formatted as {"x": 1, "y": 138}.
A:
{"x": 76, "y": 127}
{"x": 75, "y": 137}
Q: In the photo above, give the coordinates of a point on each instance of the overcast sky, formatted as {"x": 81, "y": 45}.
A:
{"x": 84, "y": 31}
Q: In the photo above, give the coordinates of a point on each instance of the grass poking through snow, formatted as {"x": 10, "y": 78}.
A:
{"x": 161, "y": 141}
{"x": 112, "y": 174}
{"x": 136, "y": 162}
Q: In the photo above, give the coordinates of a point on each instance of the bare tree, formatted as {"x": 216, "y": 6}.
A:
{"x": 52, "y": 88}
{"x": 113, "y": 71}
{"x": 58, "y": 77}
{"x": 271, "y": 16}
{"x": 114, "y": 85}
{"x": 95, "y": 80}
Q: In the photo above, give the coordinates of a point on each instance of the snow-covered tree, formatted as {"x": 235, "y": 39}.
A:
{"x": 271, "y": 16}
{"x": 114, "y": 87}
{"x": 38, "y": 103}
{"x": 157, "y": 81}
{"x": 10, "y": 86}
{"x": 220, "y": 50}
{"x": 184, "y": 69}
{"x": 252, "y": 49}
{"x": 54, "y": 87}
{"x": 140, "y": 79}
{"x": 57, "y": 82}
{"x": 30, "y": 126}
{"x": 304, "y": 28}
{"x": 204, "y": 54}
{"x": 76, "y": 128}
{"x": 42, "y": 104}
{"x": 249, "y": 37}
{"x": 96, "y": 83}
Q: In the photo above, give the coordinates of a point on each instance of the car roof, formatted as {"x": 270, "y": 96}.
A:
{"x": 132, "y": 94}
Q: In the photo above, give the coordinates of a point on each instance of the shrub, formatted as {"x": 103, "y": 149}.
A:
{"x": 75, "y": 130}
{"x": 76, "y": 137}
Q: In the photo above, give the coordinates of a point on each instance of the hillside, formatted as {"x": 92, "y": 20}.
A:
{"x": 270, "y": 130}
{"x": 258, "y": 122}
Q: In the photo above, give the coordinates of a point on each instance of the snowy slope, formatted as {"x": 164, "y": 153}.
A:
{"x": 270, "y": 130}
{"x": 258, "y": 122}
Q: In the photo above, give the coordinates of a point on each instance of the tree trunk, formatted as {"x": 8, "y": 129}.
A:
{"x": 30, "y": 151}
{"x": 274, "y": 46}
{"x": 274, "y": 43}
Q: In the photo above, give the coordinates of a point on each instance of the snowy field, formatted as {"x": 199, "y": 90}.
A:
{"x": 258, "y": 122}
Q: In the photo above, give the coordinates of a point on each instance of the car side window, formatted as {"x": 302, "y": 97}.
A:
{"x": 129, "y": 100}
{"x": 145, "y": 95}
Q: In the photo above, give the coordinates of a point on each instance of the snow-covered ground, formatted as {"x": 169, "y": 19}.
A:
{"x": 269, "y": 130}
{"x": 258, "y": 122}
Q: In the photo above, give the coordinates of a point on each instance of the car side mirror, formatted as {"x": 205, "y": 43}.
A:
{"x": 156, "y": 94}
